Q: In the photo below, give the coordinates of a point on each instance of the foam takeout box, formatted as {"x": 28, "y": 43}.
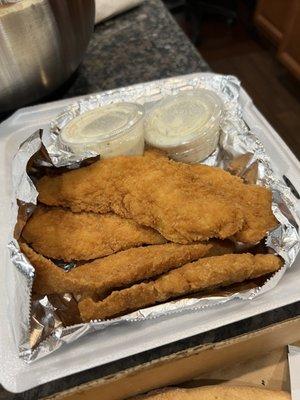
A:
{"x": 116, "y": 343}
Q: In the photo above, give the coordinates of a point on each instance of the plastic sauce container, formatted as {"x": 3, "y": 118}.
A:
{"x": 112, "y": 130}
{"x": 185, "y": 125}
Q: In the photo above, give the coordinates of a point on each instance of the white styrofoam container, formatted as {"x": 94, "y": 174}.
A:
{"x": 123, "y": 340}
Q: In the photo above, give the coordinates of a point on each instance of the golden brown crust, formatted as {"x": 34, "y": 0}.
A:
{"x": 253, "y": 201}
{"x": 209, "y": 272}
{"x": 115, "y": 271}
{"x": 61, "y": 234}
{"x": 184, "y": 203}
{"x": 217, "y": 393}
{"x": 47, "y": 274}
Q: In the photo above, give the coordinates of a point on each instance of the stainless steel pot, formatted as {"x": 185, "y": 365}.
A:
{"x": 41, "y": 43}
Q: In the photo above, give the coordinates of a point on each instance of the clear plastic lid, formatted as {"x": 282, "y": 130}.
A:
{"x": 183, "y": 119}
{"x": 102, "y": 124}
{"x": 113, "y": 129}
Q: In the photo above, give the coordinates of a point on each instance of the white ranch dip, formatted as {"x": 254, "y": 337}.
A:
{"x": 112, "y": 130}
{"x": 185, "y": 125}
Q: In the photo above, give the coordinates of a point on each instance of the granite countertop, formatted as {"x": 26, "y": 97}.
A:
{"x": 142, "y": 45}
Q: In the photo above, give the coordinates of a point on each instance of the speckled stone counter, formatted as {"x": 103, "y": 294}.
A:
{"x": 142, "y": 45}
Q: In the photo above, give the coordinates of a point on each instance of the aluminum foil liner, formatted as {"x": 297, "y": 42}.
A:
{"x": 44, "y": 324}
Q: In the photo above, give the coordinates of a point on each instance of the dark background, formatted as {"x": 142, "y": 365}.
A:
{"x": 224, "y": 33}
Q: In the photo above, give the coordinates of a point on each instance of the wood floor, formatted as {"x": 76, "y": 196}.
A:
{"x": 234, "y": 50}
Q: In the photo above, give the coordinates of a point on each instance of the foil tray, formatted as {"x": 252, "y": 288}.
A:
{"x": 38, "y": 326}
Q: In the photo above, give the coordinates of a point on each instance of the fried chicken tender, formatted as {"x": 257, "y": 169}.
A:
{"x": 253, "y": 201}
{"x": 62, "y": 234}
{"x": 206, "y": 273}
{"x": 117, "y": 270}
{"x": 185, "y": 203}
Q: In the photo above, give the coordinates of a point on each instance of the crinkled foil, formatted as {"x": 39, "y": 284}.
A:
{"x": 46, "y": 323}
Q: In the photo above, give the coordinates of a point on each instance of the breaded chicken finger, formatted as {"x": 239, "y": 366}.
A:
{"x": 153, "y": 191}
{"x": 209, "y": 272}
{"x": 185, "y": 203}
{"x": 62, "y": 234}
{"x": 118, "y": 270}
